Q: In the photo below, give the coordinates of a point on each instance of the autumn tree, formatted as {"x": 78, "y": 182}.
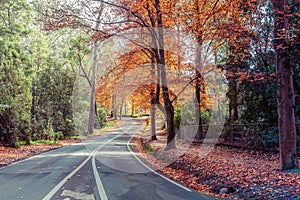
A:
{"x": 285, "y": 90}
{"x": 196, "y": 17}
{"x": 222, "y": 27}
{"x": 150, "y": 16}
{"x": 294, "y": 21}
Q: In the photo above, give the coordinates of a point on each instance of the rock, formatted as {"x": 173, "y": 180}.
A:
{"x": 223, "y": 191}
{"x": 231, "y": 190}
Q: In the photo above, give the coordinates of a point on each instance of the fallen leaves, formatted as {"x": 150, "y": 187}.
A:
{"x": 9, "y": 155}
{"x": 244, "y": 173}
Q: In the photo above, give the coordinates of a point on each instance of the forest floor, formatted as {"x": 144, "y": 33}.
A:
{"x": 227, "y": 172}
{"x": 10, "y": 155}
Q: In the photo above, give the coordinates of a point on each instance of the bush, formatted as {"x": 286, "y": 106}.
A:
{"x": 57, "y": 136}
{"x": 102, "y": 117}
{"x": 177, "y": 117}
{"x": 136, "y": 115}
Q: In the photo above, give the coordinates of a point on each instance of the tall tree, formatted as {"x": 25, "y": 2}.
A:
{"x": 150, "y": 16}
{"x": 59, "y": 15}
{"x": 52, "y": 89}
{"x": 163, "y": 75}
{"x": 93, "y": 108}
{"x": 285, "y": 88}
{"x": 15, "y": 97}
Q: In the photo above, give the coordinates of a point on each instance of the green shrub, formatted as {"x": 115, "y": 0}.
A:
{"x": 102, "y": 117}
{"x": 136, "y": 115}
{"x": 177, "y": 117}
{"x": 57, "y": 136}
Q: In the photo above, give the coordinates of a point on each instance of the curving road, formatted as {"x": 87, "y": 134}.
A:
{"x": 100, "y": 168}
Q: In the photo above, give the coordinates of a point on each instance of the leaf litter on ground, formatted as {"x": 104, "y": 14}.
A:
{"x": 223, "y": 171}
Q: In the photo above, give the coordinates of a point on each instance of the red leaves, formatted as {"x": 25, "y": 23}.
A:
{"x": 9, "y": 155}
{"x": 247, "y": 174}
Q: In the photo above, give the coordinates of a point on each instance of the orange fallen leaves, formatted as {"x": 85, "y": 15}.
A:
{"x": 248, "y": 174}
{"x": 9, "y": 155}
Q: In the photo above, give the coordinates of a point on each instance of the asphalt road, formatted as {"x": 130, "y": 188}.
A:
{"x": 100, "y": 168}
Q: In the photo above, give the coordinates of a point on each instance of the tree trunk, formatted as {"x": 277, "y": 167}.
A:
{"x": 93, "y": 92}
{"x": 198, "y": 63}
{"x": 165, "y": 90}
{"x": 199, "y": 132}
{"x": 125, "y": 108}
{"x": 285, "y": 89}
{"x": 233, "y": 99}
{"x": 33, "y": 110}
{"x": 121, "y": 109}
{"x": 154, "y": 100}
{"x": 96, "y": 108}
{"x": 132, "y": 107}
{"x": 114, "y": 106}
{"x": 170, "y": 119}
{"x": 153, "y": 122}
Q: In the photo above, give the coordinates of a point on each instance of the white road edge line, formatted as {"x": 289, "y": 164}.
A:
{"x": 58, "y": 186}
{"x": 101, "y": 189}
{"x": 164, "y": 177}
{"x": 99, "y": 184}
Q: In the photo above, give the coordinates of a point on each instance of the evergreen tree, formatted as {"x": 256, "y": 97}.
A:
{"x": 15, "y": 93}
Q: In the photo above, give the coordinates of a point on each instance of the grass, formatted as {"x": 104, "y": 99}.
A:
{"x": 23, "y": 143}
{"x": 75, "y": 137}
{"x": 109, "y": 125}
{"x": 43, "y": 142}
{"x": 147, "y": 148}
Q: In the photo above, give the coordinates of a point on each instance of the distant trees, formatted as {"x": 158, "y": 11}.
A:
{"x": 15, "y": 96}
{"x": 36, "y": 79}
{"x": 52, "y": 91}
{"x": 151, "y": 17}
{"x": 86, "y": 15}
